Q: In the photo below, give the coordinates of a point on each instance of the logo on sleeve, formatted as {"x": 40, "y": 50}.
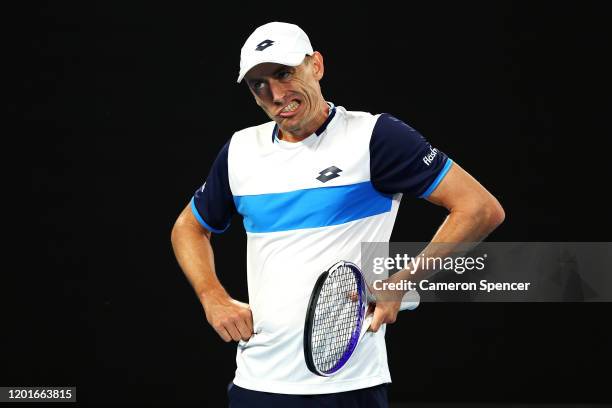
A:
{"x": 429, "y": 157}
{"x": 263, "y": 45}
{"x": 328, "y": 174}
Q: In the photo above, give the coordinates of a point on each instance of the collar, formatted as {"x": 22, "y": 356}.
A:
{"x": 320, "y": 130}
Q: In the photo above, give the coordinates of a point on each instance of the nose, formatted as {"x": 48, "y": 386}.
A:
{"x": 277, "y": 91}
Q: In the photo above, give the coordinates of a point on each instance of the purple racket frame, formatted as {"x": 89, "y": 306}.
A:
{"x": 361, "y": 311}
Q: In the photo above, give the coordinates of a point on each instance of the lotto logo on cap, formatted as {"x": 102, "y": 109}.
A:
{"x": 280, "y": 43}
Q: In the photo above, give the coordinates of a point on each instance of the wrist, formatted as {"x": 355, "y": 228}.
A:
{"x": 212, "y": 295}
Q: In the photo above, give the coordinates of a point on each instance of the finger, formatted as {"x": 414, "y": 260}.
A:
{"x": 371, "y": 308}
{"x": 224, "y": 334}
{"x": 233, "y": 331}
{"x": 243, "y": 330}
{"x": 377, "y": 321}
{"x": 246, "y": 316}
{"x": 249, "y": 321}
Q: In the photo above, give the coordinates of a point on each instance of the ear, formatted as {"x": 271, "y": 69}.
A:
{"x": 318, "y": 68}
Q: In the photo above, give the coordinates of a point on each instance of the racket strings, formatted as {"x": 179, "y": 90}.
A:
{"x": 336, "y": 319}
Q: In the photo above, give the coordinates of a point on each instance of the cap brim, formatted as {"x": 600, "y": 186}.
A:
{"x": 291, "y": 59}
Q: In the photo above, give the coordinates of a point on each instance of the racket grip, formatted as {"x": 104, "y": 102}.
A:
{"x": 366, "y": 325}
{"x": 410, "y": 301}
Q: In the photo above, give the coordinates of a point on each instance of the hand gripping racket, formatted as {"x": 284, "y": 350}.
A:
{"x": 336, "y": 317}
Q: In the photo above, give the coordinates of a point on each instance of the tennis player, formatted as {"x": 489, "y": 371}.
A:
{"x": 310, "y": 185}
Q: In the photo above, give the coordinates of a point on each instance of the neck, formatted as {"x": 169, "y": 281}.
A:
{"x": 312, "y": 127}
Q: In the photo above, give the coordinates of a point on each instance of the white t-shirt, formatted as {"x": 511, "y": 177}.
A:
{"x": 305, "y": 206}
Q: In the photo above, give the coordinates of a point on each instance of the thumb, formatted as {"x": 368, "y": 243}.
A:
{"x": 377, "y": 320}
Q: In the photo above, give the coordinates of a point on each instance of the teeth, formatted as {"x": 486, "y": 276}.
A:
{"x": 291, "y": 107}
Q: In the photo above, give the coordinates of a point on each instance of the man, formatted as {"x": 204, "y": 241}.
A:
{"x": 311, "y": 185}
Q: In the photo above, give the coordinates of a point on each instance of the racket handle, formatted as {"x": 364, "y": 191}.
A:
{"x": 410, "y": 301}
{"x": 365, "y": 325}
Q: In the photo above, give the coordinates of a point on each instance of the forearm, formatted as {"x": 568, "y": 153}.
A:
{"x": 195, "y": 256}
{"x": 231, "y": 319}
{"x": 462, "y": 229}
{"x": 468, "y": 225}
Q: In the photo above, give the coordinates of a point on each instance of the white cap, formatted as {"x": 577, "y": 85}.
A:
{"x": 280, "y": 43}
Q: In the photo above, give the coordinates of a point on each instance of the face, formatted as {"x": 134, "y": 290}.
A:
{"x": 290, "y": 96}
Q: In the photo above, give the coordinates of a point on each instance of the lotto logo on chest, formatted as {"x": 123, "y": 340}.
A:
{"x": 328, "y": 174}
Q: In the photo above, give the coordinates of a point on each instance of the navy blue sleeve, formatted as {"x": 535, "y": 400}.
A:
{"x": 213, "y": 203}
{"x": 402, "y": 161}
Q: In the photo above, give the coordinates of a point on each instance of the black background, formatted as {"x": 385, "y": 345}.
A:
{"x": 123, "y": 106}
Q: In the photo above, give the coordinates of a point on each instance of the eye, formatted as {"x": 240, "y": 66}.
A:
{"x": 257, "y": 85}
{"x": 283, "y": 74}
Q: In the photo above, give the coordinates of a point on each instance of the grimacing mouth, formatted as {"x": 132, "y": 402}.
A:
{"x": 292, "y": 100}
{"x": 293, "y": 105}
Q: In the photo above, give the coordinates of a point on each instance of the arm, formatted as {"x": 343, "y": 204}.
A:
{"x": 474, "y": 214}
{"x": 231, "y": 319}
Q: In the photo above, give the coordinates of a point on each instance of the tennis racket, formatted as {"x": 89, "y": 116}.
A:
{"x": 336, "y": 319}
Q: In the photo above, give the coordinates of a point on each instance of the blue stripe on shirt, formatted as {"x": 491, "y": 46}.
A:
{"x": 438, "y": 179}
{"x": 203, "y": 223}
{"x": 311, "y": 208}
